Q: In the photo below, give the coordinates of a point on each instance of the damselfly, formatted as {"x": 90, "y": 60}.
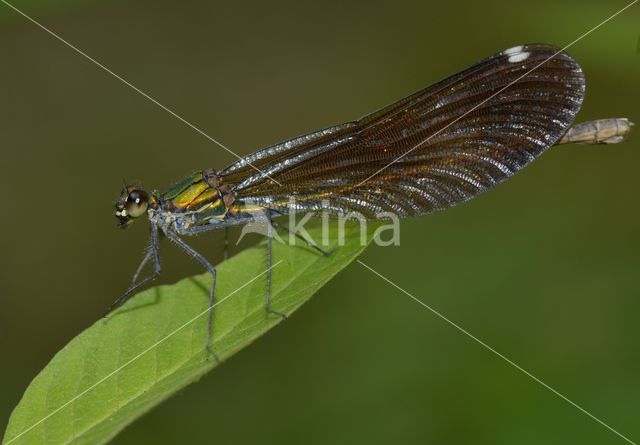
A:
{"x": 429, "y": 151}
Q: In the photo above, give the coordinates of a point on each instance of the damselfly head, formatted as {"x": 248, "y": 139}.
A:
{"x": 131, "y": 204}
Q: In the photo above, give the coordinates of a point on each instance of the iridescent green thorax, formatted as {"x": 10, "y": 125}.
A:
{"x": 202, "y": 195}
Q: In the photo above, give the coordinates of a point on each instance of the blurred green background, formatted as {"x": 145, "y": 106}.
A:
{"x": 544, "y": 268}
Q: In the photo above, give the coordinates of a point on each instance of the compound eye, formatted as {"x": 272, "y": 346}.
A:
{"x": 137, "y": 203}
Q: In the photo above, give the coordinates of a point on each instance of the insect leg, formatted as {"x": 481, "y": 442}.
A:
{"x": 145, "y": 260}
{"x": 153, "y": 253}
{"x": 207, "y": 265}
{"x": 267, "y": 305}
{"x": 148, "y": 255}
{"x": 225, "y": 252}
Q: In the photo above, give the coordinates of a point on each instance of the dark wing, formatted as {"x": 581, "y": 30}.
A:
{"x": 457, "y": 141}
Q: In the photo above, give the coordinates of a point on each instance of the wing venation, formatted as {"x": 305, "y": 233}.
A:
{"x": 455, "y": 139}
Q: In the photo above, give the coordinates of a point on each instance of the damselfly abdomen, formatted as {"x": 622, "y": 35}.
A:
{"x": 429, "y": 151}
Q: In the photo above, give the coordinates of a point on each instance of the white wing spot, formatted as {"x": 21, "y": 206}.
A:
{"x": 512, "y": 51}
{"x": 519, "y": 57}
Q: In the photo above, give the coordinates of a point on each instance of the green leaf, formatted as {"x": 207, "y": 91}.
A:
{"x": 111, "y": 374}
